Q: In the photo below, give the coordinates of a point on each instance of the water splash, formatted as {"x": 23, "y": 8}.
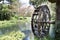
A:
{"x": 24, "y": 2}
{"x": 5, "y": 2}
{"x": 26, "y": 8}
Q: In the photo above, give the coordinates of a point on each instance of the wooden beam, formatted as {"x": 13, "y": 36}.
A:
{"x": 52, "y": 1}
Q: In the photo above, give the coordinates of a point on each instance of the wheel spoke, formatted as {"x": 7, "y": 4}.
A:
{"x": 40, "y": 27}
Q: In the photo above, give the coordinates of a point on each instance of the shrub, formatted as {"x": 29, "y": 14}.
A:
{"x": 5, "y": 12}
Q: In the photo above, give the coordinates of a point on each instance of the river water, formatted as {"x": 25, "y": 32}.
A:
{"x": 25, "y": 27}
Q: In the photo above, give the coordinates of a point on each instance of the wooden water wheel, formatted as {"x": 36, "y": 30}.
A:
{"x": 40, "y": 21}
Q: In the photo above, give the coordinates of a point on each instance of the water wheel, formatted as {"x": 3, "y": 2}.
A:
{"x": 40, "y": 21}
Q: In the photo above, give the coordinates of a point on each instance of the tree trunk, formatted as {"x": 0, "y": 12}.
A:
{"x": 58, "y": 19}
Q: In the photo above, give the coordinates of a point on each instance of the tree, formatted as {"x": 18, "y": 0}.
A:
{"x": 6, "y": 11}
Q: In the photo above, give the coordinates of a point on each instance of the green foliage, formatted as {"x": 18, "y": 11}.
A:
{"x": 5, "y": 12}
{"x": 44, "y": 38}
{"x": 13, "y": 36}
{"x": 12, "y": 1}
{"x": 8, "y": 11}
{"x": 53, "y": 11}
{"x": 38, "y": 2}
